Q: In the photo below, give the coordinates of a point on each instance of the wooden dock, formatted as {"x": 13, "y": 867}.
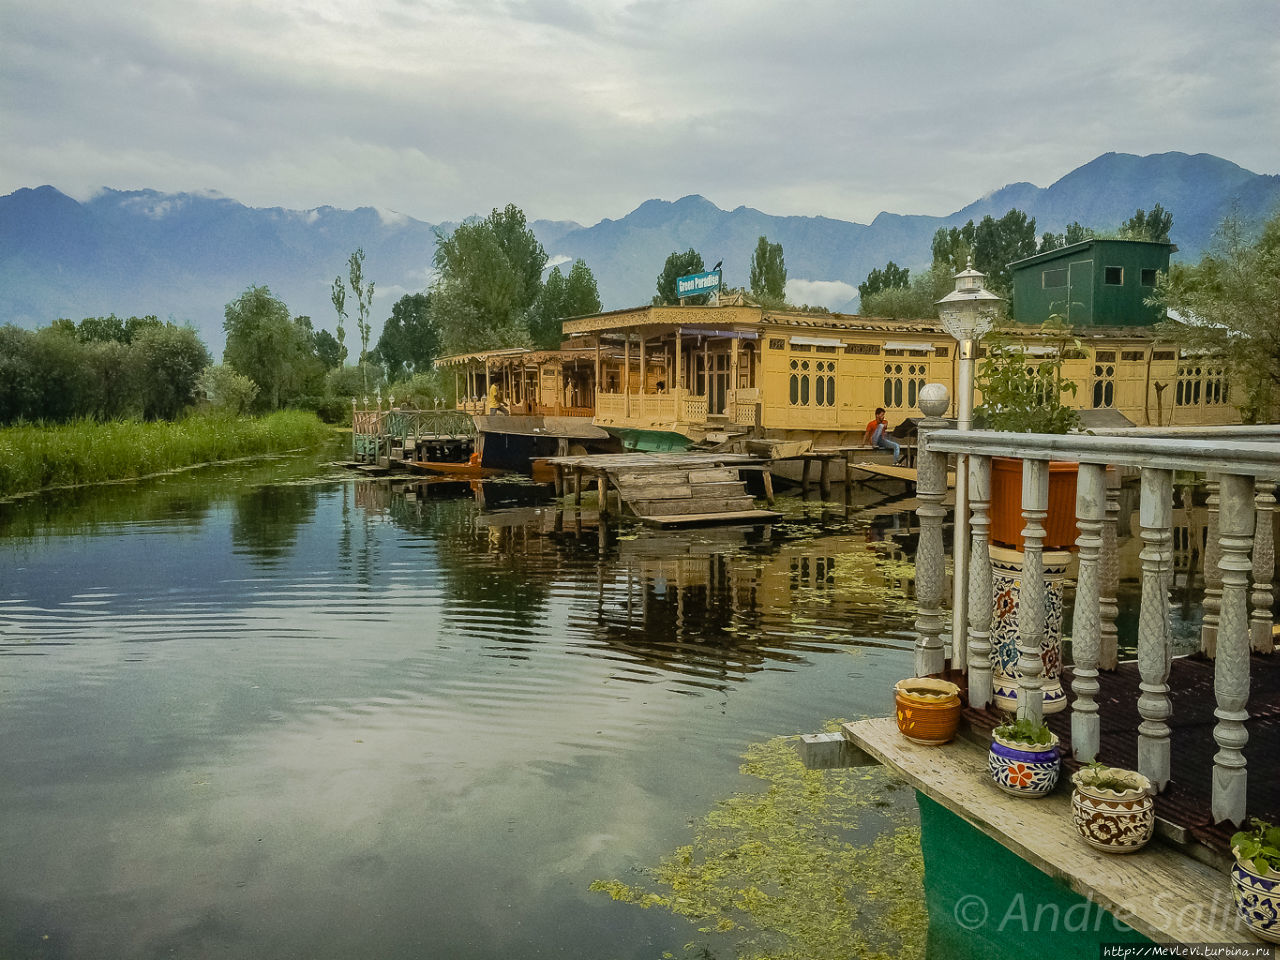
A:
{"x": 669, "y": 489}
{"x": 1150, "y": 890}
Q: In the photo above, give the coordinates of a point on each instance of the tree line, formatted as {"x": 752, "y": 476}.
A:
{"x": 992, "y": 244}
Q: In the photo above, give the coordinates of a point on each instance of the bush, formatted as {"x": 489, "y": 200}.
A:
{"x": 226, "y": 390}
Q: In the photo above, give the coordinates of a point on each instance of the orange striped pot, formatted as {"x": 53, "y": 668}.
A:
{"x": 928, "y": 709}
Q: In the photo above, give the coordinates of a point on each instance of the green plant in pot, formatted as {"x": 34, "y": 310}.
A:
{"x": 1022, "y": 392}
{"x": 1112, "y": 808}
{"x": 1255, "y": 878}
{"x": 1024, "y": 759}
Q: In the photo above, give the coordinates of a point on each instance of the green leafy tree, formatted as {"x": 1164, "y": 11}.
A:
{"x": 409, "y": 340}
{"x": 768, "y": 276}
{"x": 1074, "y": 233}
{"x": 327, "y": 349}
{"x": 134, "y": 326}
{"x": 679, "y": 265}
{"x": 917, "y": 300}
{"x": 363, "y": 293}
{"x": 102, "y": 330}
{"x": 573, "y": 296}
{"x": 167, "y": 360}
{"x": 1148, "y": 226}
{"x": 227, "y": 390}
{"x": 488, "y": 276}
{"x": 884, "y": 279}
{"x": 992, "y": 243}
{"x": 266, "y": 345}
{"x": 338, "y": 294}
{"x": 1229, "y": 305}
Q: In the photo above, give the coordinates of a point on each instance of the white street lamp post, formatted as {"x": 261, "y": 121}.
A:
{"x": 967, "y": 314}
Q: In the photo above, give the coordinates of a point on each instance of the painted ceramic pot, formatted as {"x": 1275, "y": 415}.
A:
{"x": 928, "y": 710}
{"x": 1257, "y": 900}
{"x": 1024, "y": 769}
{"x": 1119, "y": 817}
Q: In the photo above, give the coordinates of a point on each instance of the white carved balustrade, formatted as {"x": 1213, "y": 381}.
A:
{"x": 1239, "y": 468}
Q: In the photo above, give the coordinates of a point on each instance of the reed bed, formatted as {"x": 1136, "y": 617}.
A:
{"x": 33, "y": 457}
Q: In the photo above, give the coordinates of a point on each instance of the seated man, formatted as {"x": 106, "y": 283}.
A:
{"x": 877, "y": 436}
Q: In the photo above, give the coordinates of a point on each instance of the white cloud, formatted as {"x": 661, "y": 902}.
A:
{"x": 582, "y": 110}
{"x": 832, "y": 294}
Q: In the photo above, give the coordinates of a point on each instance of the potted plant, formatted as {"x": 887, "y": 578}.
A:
{"x": 1024, "y": 758}
{"x": 1112, "y": 808}
{"x": 1022, "y": 393}
{"x": 928, "y": 709}
{"x": 1255, "y": 878}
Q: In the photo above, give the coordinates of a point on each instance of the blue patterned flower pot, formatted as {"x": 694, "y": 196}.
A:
{"x": 1257, "y": 901}
{"x": 1024, "y": 769}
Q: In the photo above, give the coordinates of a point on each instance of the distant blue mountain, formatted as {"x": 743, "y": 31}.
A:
{"x": 185, "y": 256}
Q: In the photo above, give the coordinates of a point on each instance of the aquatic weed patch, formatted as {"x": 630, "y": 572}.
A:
{"x": 33, "y": 457}
{"x": 817, "y": 866}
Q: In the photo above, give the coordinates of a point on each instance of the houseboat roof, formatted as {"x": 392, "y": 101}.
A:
{"x": 710, "y": 319}
{"x": 513, "y": 353}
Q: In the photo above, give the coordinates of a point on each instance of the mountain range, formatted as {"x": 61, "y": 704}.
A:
{"x": 185, "y": 256}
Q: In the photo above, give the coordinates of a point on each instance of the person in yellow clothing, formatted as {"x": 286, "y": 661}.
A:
{"x": 494, "y": 403}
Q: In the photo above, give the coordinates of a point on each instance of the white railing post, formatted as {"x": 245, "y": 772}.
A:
{"x": 1212, "y": 571}
{"x": 931, "y": 489}
{"x": 980, "y": 681}
{"x": 1031, "y": 595}
{"x": 1264, "y": 565}
{"x": 1154, "y": 652}
{"x": 1109, "y": 576}
{"x": 1231, "y": 668}
{"x": 1086, "y": 639}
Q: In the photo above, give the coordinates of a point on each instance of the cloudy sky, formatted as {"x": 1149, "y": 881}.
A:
{"x": 582, "y": 110}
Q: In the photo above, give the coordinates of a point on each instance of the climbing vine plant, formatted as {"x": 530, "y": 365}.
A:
{"x": 818, "y": 866}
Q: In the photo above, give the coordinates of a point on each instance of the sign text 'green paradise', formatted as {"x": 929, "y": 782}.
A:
{"x": 697, "y": 283}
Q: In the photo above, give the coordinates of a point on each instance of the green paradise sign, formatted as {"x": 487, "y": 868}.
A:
{"x": 697, "y": 283}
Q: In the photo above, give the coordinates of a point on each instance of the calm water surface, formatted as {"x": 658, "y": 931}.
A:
{"x": 272, "y": 711}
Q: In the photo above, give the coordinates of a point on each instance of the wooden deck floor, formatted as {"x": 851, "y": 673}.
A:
{"x": 1150, "y": 890}
{"x": 1184, "y": 804}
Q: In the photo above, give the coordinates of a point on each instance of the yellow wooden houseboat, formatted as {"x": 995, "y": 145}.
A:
{"x": 716, "y": 372}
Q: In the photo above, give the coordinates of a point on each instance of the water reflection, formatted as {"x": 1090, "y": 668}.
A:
{"x": 275, "y": 712}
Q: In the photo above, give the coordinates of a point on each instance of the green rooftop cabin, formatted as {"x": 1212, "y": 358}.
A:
{"x": 1094, "y": 283}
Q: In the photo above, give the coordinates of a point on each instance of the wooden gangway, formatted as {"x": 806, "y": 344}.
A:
{"x": 667, "y": 489}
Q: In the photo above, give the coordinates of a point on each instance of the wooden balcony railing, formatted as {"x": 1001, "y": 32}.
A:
{"x": 1241, "y": 552}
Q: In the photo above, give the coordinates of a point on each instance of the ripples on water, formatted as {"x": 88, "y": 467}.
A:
{"x": 267, "y": 713}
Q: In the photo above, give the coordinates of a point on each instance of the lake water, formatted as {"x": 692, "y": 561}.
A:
{"x": 270, "y": 711}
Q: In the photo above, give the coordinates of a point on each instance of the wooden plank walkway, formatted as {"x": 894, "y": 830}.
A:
{"x": 672, "y": 488}
{"x": 1151, "y": 890}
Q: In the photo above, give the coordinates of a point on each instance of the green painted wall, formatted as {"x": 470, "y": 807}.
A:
{"x": 987, "y": 903}
{"x": 1073, "y": 281}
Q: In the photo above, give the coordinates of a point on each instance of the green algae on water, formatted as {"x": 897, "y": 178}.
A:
{"x": 820, "y": 865}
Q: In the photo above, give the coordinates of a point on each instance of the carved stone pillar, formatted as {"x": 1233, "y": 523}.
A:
{"x": 1231, "y": 671}
{"x": 1264, "y": 565}
{"x": 980, "y": 582}
{"x": 1109, "y": 577}
{"x": 931, "y": 489}
{"x": 1031, "y": 599}
{"x": 1086, "y": 640}
{"x": 1007, "y": 578}
{"x": 1154, "y": 651}
{"x": 1212, "y": 571}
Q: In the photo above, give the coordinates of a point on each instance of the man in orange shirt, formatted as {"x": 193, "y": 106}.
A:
{"x": 877, "y": 436}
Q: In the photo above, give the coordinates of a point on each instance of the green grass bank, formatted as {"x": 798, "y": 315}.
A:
{"x": 35, "y": 457}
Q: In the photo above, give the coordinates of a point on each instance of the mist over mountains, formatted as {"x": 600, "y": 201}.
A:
{"x": 184, "y": 256}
